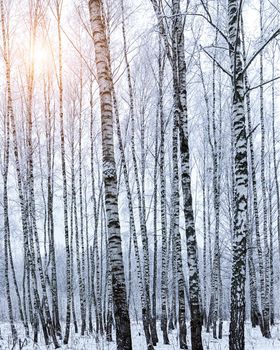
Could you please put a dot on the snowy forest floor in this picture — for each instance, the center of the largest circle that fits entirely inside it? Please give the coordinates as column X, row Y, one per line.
column 254, row 340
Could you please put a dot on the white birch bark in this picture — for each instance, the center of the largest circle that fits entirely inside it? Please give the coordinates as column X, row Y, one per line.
column 237, row 316
column 104, row 78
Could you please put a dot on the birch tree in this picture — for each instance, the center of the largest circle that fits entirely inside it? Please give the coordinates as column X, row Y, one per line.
column 104, row 77
column 237, row 316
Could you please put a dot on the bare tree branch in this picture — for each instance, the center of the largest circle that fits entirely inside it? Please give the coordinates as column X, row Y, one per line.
column 217, row 63
column 257, row 86
column 204, row 17
column 273, row 36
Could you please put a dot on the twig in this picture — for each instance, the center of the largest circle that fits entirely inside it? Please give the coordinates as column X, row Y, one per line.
column 203, row 16
column 218, row 64
column 273, row 36
column 250, row 134
column 257, row 86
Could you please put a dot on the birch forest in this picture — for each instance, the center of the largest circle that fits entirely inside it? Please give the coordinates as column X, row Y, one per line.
column 140, row 170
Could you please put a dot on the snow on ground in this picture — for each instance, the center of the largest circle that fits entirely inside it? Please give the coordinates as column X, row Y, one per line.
column 254, row 340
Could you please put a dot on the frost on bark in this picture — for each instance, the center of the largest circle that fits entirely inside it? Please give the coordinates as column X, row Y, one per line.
column 271, row 248
column 64, row 181
column 179, row 86
column 104, row 78
column 133, row 232
column 275, row 163
column 178, row 64
column 275, row 173
column 176, row 57
column 175, row 231
column 215, row 147
column 83, row 288
column 205, row 204
column 95, row 290
column 256, row 317
column 240, row 229
column 155, row 224
column 164, row 254
column 7, row 226
column 49, row 134
column 78, row 237
column 265, row 305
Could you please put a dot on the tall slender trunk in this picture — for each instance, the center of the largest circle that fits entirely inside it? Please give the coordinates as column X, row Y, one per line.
column 7, row 224
column 275, row 172
column 96, row 206
column 214, row 300
column 84, row 308
column 140, row 196
column 64, row 180
column 205, row 318
column 89, row 271
column 155, row 237
column 237, row 314
column 180, row 106
column 49, row 132
column 256, row 317
column 177, row 236
column 104, row 78
column 172, row 314
column 205, row 204
column 271, row 248
column 133, row 232
column 254, row 187
column 71, row 243
column 108, row 319
column 275, row 166
column 265, row 306
column 77, row 236
column 164, row 255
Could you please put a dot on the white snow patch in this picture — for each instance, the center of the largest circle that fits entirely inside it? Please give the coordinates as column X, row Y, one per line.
column 254, row 340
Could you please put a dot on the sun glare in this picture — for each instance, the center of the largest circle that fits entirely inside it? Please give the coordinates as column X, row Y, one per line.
column 41, row 57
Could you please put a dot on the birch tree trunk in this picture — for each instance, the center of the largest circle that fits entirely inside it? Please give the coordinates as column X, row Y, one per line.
column 164, row 254
column 133, row 232
column 271, row 248
column 212, row 137
column 140, row 194
column 179, row 86
column 7, row 224
column 155, row 262
column 237, row 313
column 77, row 235
column 49, row 132
column 88, row 265
column 71, row 243
column 96, row 206
column 104, row 78
column 83, row 288
column 255, row 203
column 276, row 186
column 175, row 229
column 265, row 306
column 275, row 167
column 255, row 314
column 64, row 179
column 205, row 204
